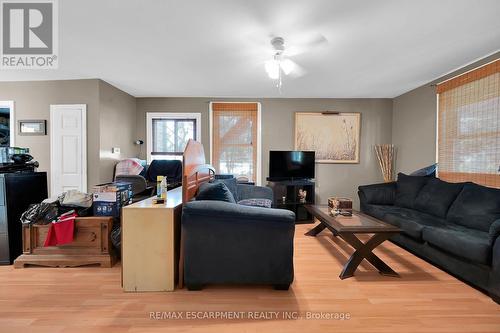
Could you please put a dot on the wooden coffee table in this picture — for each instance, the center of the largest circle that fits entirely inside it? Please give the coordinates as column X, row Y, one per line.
column 346, row 227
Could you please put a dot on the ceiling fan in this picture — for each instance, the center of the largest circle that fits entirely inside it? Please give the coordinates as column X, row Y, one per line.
column 280, row 64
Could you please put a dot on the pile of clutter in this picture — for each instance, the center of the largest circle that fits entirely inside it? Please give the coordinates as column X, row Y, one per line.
column 60, row 212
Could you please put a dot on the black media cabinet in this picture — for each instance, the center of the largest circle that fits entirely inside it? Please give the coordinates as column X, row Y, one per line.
column 289, row 189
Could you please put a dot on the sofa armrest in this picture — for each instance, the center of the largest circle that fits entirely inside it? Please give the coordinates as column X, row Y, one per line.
column 254, row 192
column 377, row 194
column 494, row 281
column 494, row 231
column 210, row 211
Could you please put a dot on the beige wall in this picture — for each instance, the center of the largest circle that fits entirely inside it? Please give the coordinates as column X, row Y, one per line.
column 118, row 128
column 32, row 100
column 116, row 119
column 111, row 116
column 414, row 122
column 278, row 133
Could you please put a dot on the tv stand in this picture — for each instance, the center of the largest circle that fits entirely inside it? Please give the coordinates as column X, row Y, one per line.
column 289, row 190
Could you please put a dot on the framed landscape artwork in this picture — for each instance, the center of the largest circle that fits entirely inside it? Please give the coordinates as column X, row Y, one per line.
column 334, row 136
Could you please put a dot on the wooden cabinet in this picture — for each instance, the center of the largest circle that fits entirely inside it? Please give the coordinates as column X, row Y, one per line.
column 151, row 243
column 91, row 245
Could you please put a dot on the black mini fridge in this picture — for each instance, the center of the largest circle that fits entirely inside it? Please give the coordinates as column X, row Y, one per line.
column 17, row 192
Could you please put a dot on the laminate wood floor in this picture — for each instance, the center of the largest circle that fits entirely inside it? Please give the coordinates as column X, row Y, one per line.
column 424, row 299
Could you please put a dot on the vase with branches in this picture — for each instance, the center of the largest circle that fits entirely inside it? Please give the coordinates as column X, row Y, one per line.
column 386, row 157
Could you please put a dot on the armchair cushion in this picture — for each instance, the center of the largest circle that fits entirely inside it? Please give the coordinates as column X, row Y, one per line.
column 231, row 185
column 254, row 192
column 407, row 189
column 215, row 191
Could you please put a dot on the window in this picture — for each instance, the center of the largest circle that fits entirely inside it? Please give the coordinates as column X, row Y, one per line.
column 168, row 134
column 235, row 147
column 469, row 127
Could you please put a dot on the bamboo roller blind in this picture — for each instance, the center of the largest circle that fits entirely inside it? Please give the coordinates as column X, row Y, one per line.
column 234, row 138
column 469, row 127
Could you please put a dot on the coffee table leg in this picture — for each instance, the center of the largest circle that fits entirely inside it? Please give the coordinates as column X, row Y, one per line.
column 316, row 230
column 364, row 251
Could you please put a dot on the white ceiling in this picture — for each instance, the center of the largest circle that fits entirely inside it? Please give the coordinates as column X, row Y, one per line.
column 216, row 48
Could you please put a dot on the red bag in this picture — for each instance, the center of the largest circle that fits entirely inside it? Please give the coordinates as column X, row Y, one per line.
column 62, row 231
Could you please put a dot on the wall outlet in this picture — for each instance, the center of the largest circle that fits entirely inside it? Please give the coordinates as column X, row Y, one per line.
column 115, row 150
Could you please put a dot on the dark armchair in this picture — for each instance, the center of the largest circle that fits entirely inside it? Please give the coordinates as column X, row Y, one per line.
column 227, row 243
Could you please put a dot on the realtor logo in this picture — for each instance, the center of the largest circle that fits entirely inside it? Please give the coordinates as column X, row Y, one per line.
column 29, row 34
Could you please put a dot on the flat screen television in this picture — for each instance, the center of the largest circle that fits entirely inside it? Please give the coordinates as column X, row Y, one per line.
column 284, row 165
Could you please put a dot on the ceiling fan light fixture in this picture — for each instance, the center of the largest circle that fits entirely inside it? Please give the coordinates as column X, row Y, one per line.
column 273, row 68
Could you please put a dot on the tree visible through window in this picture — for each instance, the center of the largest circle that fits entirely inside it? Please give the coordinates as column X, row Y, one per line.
column 170, row 137
column 234, row 139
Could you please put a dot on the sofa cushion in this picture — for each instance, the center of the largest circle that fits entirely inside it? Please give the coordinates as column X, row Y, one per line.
column 463, row 242
column 412, row 222
column 476, row 207
column 407, row 189
column 215, row 191
column 378, row 194
column 379, row 211
column 436, row 197
column 231, row 184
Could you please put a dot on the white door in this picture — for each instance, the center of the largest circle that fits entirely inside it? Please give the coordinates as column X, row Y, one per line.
column 68, row 148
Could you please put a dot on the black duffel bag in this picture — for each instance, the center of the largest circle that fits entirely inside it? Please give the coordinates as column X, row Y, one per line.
column 42, row 213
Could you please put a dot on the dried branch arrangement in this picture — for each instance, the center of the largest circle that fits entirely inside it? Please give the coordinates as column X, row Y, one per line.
column 386, row 156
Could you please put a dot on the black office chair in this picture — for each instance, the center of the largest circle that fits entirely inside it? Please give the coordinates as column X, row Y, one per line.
column 172, row 169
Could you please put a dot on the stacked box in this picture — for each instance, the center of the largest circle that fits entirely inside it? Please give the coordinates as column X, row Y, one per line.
column 340, row 204
column 109, row 198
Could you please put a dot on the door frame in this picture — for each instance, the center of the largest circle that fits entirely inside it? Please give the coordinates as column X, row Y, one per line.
column 53, row 108
column 12, row 121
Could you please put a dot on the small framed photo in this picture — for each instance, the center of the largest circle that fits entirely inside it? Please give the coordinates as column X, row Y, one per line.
column 32, row 127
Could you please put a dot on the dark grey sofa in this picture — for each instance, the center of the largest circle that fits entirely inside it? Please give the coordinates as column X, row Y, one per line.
column 228, row 243
column 455, row 226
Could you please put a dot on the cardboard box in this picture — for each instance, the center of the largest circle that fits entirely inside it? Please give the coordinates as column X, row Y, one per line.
column 109, row 198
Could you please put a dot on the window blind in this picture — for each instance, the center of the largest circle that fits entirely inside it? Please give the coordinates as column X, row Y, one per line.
column 234, row 139
column 469, row 127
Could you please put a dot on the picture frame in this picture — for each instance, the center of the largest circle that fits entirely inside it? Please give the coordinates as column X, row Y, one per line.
column 32, row 127
column 334, row 136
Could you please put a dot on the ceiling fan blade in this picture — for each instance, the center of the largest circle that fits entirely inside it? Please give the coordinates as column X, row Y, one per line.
column 292, row 69
column 316, row 40
column 304, row 43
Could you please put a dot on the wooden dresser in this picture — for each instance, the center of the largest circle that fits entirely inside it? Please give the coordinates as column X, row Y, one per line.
column 91, row 245
column 150, row 244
